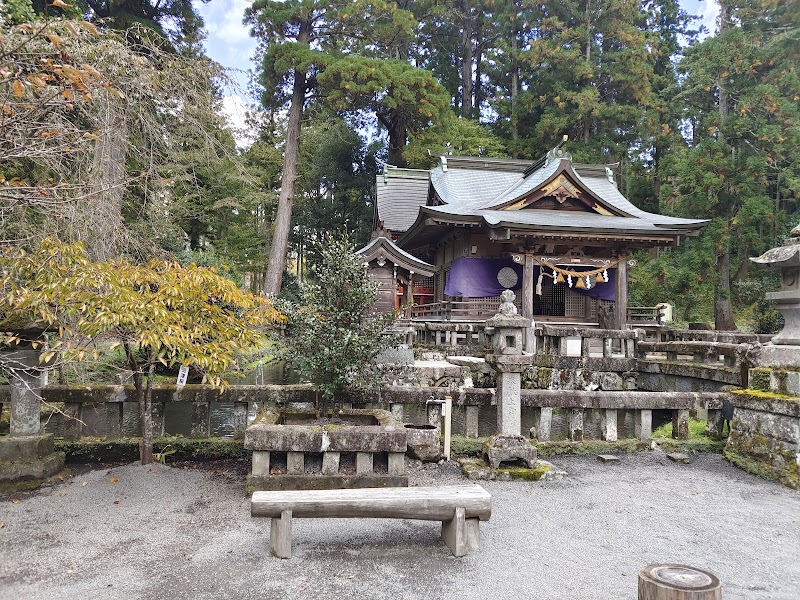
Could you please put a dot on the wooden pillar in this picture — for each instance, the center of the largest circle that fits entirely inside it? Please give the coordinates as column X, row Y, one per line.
column 408, row 296
column 527, row 300
column 621, row 301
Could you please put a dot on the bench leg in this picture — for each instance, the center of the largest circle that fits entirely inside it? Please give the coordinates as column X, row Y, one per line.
column 280, row 535
column 461, row 535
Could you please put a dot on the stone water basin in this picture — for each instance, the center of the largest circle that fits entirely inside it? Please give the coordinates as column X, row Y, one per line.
column 293, row 450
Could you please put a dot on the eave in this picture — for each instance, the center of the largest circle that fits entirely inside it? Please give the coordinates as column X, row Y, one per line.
column 383, row 249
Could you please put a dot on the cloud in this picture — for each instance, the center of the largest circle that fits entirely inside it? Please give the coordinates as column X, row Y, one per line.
column 709, row 13
column 228, row 41
column 234, row 109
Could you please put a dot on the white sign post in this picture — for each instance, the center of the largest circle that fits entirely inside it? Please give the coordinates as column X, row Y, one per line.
column 183, row 376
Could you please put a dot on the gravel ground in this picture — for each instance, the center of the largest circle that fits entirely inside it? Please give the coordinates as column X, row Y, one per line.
column 133, row 532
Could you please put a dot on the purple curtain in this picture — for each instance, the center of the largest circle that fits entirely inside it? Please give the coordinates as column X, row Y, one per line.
column 478, row 277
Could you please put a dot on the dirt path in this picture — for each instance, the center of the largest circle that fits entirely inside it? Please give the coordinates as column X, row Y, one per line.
column 161, row 533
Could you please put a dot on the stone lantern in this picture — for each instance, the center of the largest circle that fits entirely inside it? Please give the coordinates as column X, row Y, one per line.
column 782, row 355
column 507, row 358
column 786, row 258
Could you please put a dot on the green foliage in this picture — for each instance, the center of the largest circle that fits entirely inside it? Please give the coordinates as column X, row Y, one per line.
column 210, row 258
column 332, row 336
column 16, row 12
column 697, row 429
column 159, row 313
column 766, row 318
column 464, row 137
column 336, row 188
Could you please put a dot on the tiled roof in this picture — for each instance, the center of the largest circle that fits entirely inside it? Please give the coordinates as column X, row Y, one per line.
column 383, row 247
column 468, row 186
column 400, row 193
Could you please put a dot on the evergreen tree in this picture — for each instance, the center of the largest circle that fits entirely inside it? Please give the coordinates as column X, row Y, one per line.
column 303, row 39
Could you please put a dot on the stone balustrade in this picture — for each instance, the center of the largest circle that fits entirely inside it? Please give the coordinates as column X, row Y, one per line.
column 474, row 408
column 723, row 362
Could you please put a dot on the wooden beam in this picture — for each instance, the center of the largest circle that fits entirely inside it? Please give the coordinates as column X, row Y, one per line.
column 421, row 503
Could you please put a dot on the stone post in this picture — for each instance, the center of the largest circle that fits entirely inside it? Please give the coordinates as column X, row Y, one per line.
column 25, row 390
column 27, row 455
column 507, row 329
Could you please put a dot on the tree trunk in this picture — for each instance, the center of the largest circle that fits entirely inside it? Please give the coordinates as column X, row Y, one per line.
column 397, row 130
column 514, row 92
column 466, row 69
column 146, row 416
column 587, row 51
column 97, row 220
column 723, row 309
column 291, row 158
column 145, row 400
column 478, row 88
column 677, row 582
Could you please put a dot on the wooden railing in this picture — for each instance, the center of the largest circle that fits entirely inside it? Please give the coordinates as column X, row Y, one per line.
column 645, row 315
column 476, row 309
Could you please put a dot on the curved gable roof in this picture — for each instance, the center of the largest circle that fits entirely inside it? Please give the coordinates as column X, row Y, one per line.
column 382, row 248
column 477, row 189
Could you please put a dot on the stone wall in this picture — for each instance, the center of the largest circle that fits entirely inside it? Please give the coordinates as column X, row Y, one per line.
column 765, row 435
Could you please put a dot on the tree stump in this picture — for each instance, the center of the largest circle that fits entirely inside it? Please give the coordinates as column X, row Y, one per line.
column 677, row 582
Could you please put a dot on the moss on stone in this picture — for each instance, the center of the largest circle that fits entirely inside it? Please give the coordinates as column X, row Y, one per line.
column 465, row 446
column 705, row 444
column 557, row 448
column 99, row 450
column 765, row 395
column 761, row 455
column 789, row 477
column 473, row 466
column 524, row 473
column 759, row 379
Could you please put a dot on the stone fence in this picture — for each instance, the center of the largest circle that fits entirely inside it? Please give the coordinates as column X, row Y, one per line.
column 719, row 357
column 100, row 410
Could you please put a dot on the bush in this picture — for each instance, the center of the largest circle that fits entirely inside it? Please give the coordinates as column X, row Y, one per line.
column 766, row 318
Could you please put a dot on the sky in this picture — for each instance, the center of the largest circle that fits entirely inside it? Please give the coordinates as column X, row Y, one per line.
column 229, row 43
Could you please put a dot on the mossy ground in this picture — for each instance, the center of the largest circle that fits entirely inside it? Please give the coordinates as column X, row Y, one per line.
column 698, row 440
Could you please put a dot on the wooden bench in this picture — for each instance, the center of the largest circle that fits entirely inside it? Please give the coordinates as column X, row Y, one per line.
column 460, row 508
